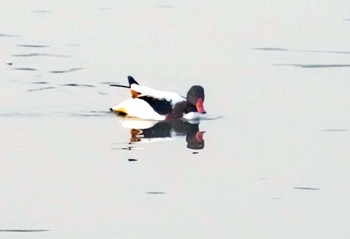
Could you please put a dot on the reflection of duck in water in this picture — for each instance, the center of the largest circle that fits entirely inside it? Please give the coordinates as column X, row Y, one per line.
column 150, row 104
column 165, row 130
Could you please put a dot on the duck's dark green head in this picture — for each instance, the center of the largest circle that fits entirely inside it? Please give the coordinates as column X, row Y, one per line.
column 195, row 97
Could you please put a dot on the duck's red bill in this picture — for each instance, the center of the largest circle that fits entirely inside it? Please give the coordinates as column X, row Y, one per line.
column 200, row 107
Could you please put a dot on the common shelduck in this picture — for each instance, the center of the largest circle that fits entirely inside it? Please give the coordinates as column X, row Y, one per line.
column 150, row 104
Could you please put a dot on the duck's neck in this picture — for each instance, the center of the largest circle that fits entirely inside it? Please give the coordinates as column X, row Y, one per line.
column 178, row 110
column 190, row 108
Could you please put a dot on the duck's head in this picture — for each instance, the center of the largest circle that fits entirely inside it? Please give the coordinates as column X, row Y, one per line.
column 195, row 97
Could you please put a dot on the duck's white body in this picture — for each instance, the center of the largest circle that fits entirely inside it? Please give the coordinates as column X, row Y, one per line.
column 150, row 104
column 138, row 108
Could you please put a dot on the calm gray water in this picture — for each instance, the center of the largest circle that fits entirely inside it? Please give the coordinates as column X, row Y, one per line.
column 275, row 164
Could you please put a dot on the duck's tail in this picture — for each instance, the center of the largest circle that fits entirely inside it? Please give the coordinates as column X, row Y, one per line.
column 131, row 80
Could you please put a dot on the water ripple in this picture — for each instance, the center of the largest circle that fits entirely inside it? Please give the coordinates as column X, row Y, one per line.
column 40, row 83
column 303, row 51
column 16, row 114
column 315, row 65
column 78, row 85
column 33, row 45
column 91, row 113
column 41, row 11
column 7, row 35
column 24, row 230
column 306, row 188
column 41, row 89
column 335, row 130
column 40, row 54
column 270, row 49
column 25, row 69
column 67, row 71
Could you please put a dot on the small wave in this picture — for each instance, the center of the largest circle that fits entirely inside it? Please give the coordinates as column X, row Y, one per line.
column 270, row 49
column 306, row 188
column 24, row 69
column 8, row 35
column 303, row 51
column 41, row 89
column 91, row 113
column 335, row 130
column 316, row 65
column 33, row 45
column 211, row 117
column 67, row 71
column 40, row 83
column 78, row 85
column 24, row 230
column 41, row 11
column 16, row 114
column 40, row 54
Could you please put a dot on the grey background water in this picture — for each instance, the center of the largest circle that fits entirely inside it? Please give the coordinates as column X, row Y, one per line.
column 276, row 165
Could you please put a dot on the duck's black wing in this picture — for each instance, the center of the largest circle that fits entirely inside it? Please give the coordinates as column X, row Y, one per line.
column 161, row 106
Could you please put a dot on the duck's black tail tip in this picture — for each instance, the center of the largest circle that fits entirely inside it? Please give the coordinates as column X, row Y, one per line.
column 132, row 81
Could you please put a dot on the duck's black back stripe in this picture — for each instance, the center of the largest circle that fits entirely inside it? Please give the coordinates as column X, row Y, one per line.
column 161, row 106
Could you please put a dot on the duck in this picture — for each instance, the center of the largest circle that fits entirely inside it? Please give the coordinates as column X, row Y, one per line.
column 150, row 104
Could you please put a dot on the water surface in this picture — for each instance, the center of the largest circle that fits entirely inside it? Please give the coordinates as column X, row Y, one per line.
column 275, row 165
